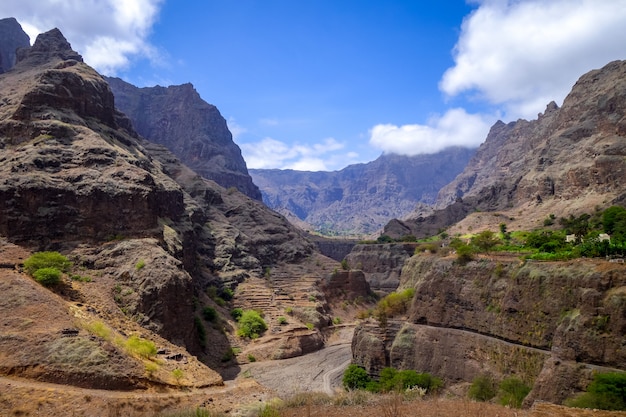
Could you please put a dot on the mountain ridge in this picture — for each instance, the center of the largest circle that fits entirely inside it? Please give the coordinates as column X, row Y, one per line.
column 361, row 198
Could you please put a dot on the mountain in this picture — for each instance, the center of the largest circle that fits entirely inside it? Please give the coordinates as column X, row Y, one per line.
column 12, row 37
column 567, row 161
column 152, row 245
column 361, row 198
column 194, row 130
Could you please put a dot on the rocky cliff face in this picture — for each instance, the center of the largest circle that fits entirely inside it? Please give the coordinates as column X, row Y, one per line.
column 12, row 37
column 526, row 164
column 150, row 232
column 195, row 131
column 381, row 263
column 550, row 324
column 361, row 198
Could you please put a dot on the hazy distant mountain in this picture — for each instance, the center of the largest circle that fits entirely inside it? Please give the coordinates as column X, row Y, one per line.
column 569, row 160
column 360, row 198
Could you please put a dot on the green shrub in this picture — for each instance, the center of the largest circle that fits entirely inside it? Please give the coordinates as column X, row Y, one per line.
column 512, row 392
column 141, row 347
column 607, row 391
column 209, row 313
column 355, row 377
column 251, row 358
column 201, row 331
column 391, row 379
column 344, row 265
column 395, row 303
column 47, row 276
column 236, row 313
column 282, row 320
column 251, row 324
column 483, row 388
column 41, row 260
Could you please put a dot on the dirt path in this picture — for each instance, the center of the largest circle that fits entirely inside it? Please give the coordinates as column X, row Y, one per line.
column 319, row 371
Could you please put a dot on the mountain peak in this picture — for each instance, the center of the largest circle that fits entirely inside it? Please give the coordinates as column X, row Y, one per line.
column 49, row 46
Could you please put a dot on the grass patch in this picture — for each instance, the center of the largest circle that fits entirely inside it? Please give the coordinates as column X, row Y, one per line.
column 140, row 347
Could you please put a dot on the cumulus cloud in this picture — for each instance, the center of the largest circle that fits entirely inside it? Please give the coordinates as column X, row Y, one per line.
column 272, row 153
column 523, row 54
column 107, row 33
column 455, row 128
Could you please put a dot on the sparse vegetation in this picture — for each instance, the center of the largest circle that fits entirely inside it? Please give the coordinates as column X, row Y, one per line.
column 178, row 375
column 282, row 320
column 235, row 313
column 512, row 392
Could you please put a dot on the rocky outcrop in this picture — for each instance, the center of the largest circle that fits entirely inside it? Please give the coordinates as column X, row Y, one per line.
column 191, row 128
column 539, row 321
column 530, row 163
column 12, row 37
column 361, row 198
column 381, row 263
column 348, row 285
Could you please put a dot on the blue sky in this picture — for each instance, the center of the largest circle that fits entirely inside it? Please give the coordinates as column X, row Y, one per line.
column 320, row 84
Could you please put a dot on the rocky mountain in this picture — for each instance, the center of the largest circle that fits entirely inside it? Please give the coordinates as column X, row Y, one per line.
column 194, row 130
column 528, row 166
column 153, row 244
column 12, row 37
column 361, row 198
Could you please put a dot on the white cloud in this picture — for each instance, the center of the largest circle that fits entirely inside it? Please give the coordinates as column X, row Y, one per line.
column 272, row 153
column 107, row 33
column 523, row 54
column 455, row 128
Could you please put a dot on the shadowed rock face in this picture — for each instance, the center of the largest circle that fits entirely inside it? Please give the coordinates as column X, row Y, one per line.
column 360, row 198
column 192, row 129
column 12, row 37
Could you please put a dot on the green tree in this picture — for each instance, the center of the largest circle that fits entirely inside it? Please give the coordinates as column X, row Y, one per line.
column 485, row 240
column 355, row 377
column 251, row 324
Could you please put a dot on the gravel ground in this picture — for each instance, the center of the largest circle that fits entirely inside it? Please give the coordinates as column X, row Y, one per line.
column 319, row 371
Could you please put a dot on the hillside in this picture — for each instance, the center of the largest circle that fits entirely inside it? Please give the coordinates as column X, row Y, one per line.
column 361, row 198
column 152, row 246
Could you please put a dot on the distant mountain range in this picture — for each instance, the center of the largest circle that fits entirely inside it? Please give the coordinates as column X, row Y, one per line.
column 360, row 199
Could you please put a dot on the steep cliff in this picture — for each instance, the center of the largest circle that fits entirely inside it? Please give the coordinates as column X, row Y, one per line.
column 528, row 166
column 191, row 128
column 549, row 323
column 361, row 198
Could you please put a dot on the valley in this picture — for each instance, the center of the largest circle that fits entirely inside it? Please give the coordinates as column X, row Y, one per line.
column 142, row 274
